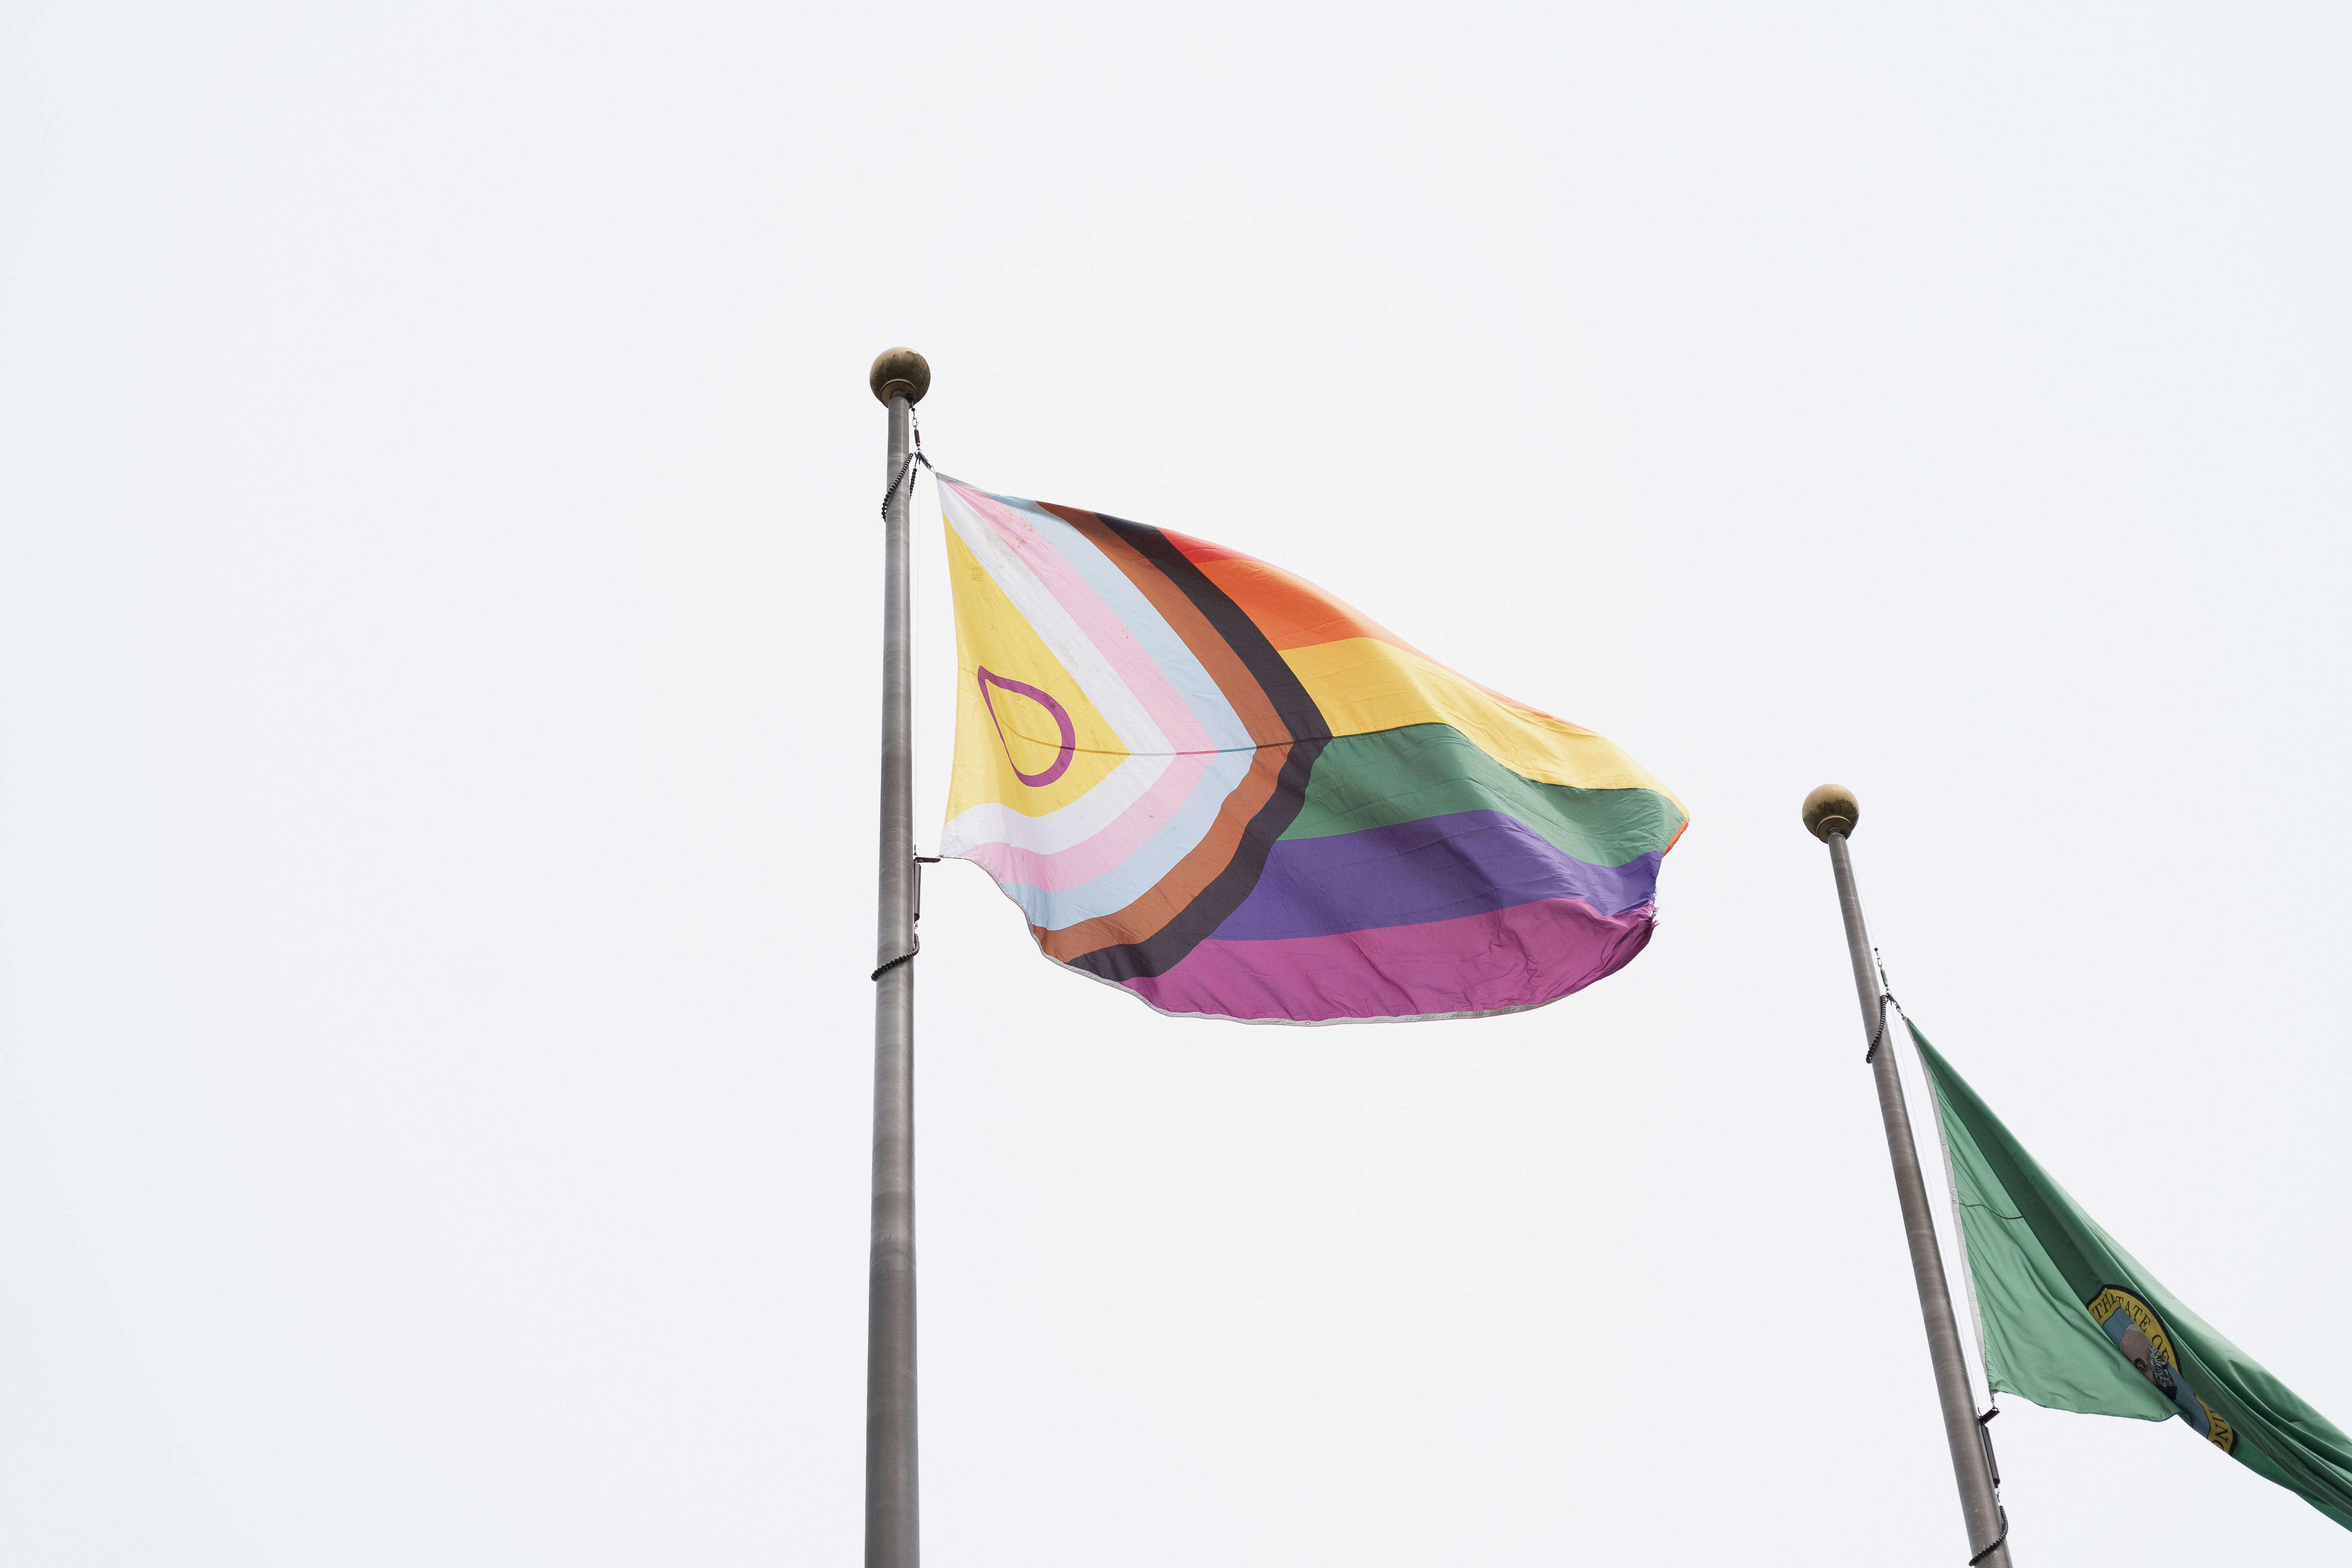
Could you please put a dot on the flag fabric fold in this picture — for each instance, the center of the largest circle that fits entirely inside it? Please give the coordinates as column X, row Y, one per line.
column 1210, row 784
column 2071, row 1321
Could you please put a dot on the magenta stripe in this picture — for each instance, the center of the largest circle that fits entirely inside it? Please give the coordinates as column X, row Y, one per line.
column 1519, row 957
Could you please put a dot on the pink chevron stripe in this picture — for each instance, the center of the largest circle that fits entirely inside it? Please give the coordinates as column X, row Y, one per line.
column 1103, row 851
column 1124, row 834
column 1101, row 624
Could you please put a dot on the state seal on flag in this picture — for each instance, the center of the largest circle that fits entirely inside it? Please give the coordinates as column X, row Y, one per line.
column 2138, row 1333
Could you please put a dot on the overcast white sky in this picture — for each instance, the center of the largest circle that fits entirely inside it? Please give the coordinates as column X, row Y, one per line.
column 438, row 612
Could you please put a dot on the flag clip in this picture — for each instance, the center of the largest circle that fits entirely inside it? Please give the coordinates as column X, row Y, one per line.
column 909, row 956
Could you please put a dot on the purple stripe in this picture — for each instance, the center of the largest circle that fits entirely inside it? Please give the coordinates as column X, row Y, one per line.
column 1498, row 961
column 1438, row 869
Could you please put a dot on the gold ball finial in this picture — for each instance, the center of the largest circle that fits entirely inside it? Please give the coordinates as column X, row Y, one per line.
column 1831, row 809
column 899, row 372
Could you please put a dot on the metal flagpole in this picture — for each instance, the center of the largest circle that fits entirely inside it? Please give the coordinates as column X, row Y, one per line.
column 893, row 1516
column 1831, row 812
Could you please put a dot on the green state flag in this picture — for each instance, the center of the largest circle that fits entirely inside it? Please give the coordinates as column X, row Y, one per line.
column 2071, row 1321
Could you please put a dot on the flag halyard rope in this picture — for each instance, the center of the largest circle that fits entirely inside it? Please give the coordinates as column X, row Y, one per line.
column 907, row 468
column 905, row 477
column 1887, row 1007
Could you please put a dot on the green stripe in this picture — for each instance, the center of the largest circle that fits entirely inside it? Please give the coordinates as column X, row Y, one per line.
column 1429, row 770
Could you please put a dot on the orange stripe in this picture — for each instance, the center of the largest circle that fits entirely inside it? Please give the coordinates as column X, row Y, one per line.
column 1291, row 611
column 1294, row 613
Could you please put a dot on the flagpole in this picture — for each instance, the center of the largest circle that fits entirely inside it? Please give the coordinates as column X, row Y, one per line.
column 893, row 1518
column 1831, row 812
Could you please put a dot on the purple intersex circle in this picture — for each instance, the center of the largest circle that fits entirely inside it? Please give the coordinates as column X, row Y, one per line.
column 1060, row 764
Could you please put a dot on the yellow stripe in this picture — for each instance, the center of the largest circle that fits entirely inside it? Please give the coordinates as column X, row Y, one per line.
column 990, row 631
column 1364, row 686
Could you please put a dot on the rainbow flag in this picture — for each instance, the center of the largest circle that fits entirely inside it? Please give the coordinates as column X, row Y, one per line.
column 1210, row 783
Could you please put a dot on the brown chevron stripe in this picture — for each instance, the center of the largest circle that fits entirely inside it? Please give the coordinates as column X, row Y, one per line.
column 1276, row 711
column 1185, row 881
